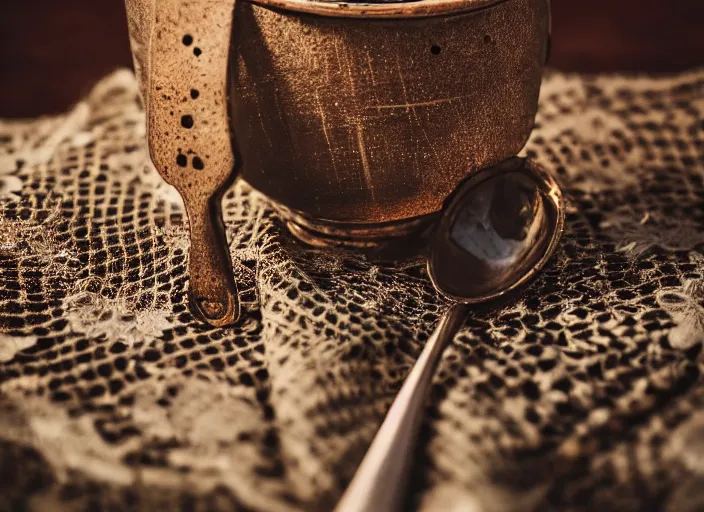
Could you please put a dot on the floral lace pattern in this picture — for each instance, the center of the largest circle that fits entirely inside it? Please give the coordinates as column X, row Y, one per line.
column 584, row 393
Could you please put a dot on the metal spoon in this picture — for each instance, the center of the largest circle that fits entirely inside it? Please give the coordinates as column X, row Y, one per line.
column 499, row 230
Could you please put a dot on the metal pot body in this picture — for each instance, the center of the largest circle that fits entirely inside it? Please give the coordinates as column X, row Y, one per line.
column 369, row 118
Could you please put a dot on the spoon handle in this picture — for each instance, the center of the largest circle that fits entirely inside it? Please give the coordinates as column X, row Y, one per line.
column 212, row 289
column 182, row 54
column 380, row 482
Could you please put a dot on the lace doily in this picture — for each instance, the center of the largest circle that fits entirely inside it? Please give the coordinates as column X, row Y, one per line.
column 585, row 393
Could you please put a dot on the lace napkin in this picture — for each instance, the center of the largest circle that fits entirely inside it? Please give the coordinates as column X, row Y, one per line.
column 584, row 393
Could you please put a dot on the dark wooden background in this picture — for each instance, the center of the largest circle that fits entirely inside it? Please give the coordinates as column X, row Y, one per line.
column 52, row 51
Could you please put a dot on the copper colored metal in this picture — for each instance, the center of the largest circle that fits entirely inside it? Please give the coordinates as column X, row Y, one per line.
column 359, row 113
column 355, row 118
column 393, row 10
column 181, row 51
column 326, row 234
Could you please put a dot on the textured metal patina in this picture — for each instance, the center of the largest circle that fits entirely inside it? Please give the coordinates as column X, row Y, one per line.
column 343, row 114
column 181, row 55
column 356, row 119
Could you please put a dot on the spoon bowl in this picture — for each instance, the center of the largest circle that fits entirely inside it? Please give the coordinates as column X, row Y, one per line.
column 497, row 232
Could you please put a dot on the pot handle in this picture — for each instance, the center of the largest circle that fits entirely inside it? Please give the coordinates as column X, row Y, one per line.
column 181, row 51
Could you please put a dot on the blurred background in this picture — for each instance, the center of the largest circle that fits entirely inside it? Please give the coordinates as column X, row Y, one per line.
column 53, row 51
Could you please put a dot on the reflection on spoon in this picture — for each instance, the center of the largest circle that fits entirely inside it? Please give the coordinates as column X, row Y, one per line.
column 499, row 230
column 481, row 227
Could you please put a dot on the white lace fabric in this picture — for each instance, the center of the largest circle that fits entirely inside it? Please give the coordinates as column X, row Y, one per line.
column 584, row 393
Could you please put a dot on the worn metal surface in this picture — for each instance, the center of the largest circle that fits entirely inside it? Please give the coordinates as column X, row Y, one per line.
column 342, row 113
column 181, row 53
column 365, row 120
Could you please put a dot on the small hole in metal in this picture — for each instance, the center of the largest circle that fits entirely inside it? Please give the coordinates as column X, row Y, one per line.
column 435, row 49
column 187, row 121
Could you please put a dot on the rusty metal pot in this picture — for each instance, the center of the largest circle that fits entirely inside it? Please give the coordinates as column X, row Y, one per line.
column 370, row 114
column 356, row 120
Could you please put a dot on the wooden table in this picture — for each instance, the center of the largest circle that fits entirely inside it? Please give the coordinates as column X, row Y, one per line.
column 51, row 52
